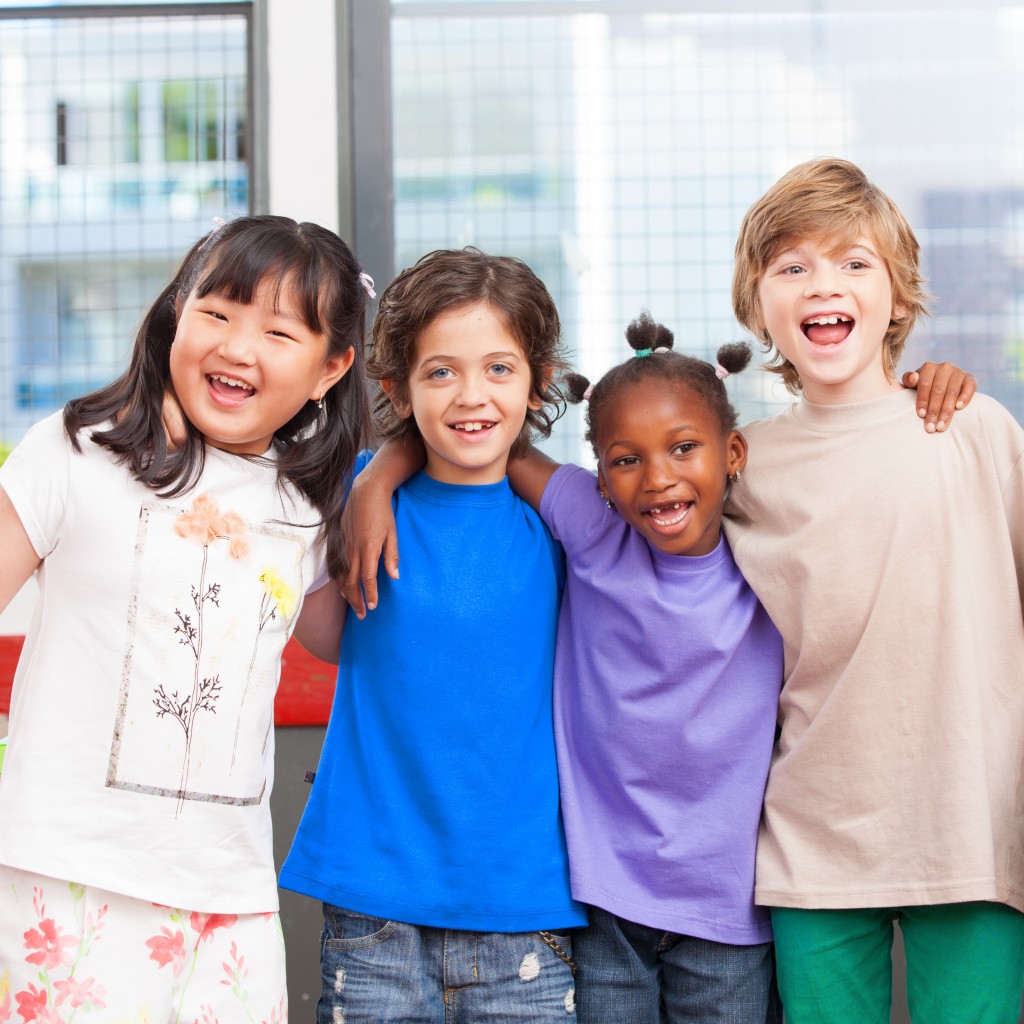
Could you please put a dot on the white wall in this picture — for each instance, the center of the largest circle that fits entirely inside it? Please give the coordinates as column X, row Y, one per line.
column 302, row 110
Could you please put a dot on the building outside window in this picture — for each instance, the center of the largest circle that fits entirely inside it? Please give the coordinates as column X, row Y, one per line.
column 124, row 133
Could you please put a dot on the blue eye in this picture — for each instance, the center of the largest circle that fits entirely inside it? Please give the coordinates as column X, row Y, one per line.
column 501, row 370
column 441, row 373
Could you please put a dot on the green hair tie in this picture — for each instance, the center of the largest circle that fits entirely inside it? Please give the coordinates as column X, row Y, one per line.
column 641, row 352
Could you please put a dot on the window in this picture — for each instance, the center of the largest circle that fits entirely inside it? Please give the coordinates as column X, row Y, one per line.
column 124, row 134
column 615, row 147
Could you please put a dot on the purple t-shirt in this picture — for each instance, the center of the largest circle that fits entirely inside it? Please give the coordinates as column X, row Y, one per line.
column 667, row 676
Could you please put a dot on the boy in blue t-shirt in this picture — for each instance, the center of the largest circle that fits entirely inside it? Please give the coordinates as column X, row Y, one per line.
column 432, row 833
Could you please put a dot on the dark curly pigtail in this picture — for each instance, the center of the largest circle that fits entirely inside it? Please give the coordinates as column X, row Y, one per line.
column 655, row 360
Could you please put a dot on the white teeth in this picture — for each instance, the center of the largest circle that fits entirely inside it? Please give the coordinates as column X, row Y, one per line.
column 823, row 320
column 231, row 381
column 471, row 426
column 655, row 512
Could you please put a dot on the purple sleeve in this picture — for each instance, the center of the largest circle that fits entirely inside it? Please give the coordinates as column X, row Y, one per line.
column 572, row 507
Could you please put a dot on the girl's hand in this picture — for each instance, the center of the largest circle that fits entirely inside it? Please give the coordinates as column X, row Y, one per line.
column 942, row 388
column 368, row 522
column 367, row 530
column 174, row 422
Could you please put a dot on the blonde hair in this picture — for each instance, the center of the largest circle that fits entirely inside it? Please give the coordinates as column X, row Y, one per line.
column 827, row 199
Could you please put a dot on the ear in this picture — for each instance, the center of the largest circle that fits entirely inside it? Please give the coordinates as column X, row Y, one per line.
column 332, row 371
column 394, row 392
column 735, row 452
column 899, row 311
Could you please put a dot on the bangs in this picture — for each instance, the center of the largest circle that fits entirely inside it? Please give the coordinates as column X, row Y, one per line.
column 240, row 266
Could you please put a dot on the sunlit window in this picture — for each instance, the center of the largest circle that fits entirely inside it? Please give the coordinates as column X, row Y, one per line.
column 123, row 136
column 617, row 148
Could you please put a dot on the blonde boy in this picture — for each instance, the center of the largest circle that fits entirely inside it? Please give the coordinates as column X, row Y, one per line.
column 893, row 565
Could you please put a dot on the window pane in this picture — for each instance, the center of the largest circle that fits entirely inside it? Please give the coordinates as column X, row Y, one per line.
column 122, row 138
column 617, row 153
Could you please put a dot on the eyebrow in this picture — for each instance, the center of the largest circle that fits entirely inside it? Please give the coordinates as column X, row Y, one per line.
column 488, row 357
column 797, row 250
column 681, row 429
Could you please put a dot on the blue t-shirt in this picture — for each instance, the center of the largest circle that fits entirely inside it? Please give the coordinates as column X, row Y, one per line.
column 666, row 691
column 436, row 799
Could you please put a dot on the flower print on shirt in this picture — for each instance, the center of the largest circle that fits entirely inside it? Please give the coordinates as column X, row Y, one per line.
column 278, row 598
column 214, row 598
column 205, row 524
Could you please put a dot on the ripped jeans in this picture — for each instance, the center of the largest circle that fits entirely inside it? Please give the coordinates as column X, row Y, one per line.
column 377, row 972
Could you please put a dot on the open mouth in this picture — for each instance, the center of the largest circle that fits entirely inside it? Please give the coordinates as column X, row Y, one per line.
column 668, row 515
column 230, row 388
column 827, row 330
column 473, row 426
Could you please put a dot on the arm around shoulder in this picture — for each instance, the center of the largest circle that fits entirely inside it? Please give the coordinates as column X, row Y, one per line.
column 529, row 475
column 321, row 623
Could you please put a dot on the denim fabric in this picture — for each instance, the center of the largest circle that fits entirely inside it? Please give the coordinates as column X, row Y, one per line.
column 632, row 974
column 378, row 972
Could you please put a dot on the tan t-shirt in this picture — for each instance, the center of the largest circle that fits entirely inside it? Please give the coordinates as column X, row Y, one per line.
column 892, row 562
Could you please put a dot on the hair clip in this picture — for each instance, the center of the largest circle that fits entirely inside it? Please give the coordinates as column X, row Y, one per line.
column 589, row 391
column 367, row 282
column 642, row 353
column 720, row 371
column 218, row 223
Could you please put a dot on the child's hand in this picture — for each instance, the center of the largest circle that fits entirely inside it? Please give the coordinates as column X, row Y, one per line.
column 174, row 422
column 367, row 528
column 942, row 388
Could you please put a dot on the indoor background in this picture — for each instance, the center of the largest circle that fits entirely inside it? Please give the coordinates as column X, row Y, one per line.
column 613, row 145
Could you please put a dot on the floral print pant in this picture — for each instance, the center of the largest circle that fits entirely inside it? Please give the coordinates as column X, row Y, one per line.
column 74, row 952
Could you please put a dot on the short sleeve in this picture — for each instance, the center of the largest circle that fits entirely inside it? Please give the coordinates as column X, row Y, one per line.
column 572, row 507
column 36, row 479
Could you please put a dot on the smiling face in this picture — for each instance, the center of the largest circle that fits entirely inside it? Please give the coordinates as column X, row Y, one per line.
column 664, row 462
column 242, row 371
column 827, row 311
column 469, row 390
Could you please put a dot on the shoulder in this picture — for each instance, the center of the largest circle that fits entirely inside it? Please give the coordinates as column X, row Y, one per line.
column 571, row 483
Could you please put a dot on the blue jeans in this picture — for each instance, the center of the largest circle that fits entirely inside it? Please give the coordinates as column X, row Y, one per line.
column 632, row 974
column 377, row 972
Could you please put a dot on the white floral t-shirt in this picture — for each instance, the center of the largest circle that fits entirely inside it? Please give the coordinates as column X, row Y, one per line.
column 141, row 741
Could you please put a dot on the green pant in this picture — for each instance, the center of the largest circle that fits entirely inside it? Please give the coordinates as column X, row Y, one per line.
column 965, row 964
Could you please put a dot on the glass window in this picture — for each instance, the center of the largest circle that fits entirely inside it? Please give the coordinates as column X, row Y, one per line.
column 617, row 148
column 123, row 136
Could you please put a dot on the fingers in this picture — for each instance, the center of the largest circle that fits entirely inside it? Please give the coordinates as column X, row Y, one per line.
column 352, row 590
column 942, row 389
column 391, row 555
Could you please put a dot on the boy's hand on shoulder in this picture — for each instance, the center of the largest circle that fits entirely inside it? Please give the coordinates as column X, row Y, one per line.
column 942, row 389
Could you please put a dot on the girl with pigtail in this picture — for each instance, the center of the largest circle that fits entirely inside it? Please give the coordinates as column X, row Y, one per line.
column 137, row 877
column 667, row 675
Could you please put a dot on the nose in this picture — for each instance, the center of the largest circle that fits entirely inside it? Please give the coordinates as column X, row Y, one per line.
column 238, row 345
column 823, row 281
column 471, row 390
column 658, row 475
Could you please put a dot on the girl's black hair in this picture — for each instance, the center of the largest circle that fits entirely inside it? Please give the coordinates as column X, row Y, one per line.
column 652, row 343
column 315, row 449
